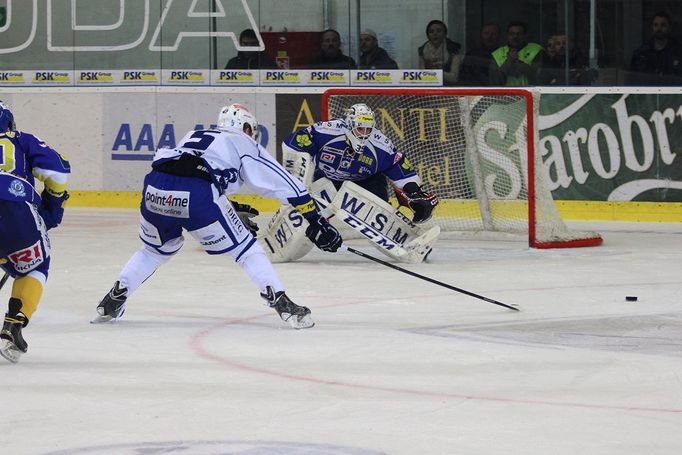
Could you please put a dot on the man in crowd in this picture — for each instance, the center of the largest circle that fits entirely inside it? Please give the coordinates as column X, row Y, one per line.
column 372, row 56
column 518, row 62
column 659, row 61
column 330, row 56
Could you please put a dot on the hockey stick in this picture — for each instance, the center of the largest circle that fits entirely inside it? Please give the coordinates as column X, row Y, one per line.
column 4, row 279
column 425, row 278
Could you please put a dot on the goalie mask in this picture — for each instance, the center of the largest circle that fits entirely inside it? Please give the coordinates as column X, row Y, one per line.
column 360, row 122
column 238, row 116
column 6, row 119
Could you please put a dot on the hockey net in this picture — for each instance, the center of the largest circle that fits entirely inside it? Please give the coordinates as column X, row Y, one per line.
column 476, row 149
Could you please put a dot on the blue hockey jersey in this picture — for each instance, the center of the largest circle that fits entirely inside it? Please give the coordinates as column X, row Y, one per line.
column 336, row 159
column 25, row 157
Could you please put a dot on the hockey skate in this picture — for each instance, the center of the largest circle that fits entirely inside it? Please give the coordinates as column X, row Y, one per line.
column 12, row 343
column 112, row 306
column 297, row 316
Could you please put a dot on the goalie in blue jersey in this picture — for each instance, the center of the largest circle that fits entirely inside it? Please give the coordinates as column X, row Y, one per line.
column 347, row 164
column 25, row 217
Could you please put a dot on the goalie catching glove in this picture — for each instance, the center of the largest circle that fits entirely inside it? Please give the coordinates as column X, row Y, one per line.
column 418, row 200
column 245, row 213
column 323, row 235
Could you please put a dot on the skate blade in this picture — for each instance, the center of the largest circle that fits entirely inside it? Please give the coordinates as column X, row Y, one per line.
column 99, row 319
column 304, row 322
column 9, row 351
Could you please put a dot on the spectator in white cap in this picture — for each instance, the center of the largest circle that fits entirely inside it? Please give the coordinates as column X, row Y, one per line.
column 372, row 56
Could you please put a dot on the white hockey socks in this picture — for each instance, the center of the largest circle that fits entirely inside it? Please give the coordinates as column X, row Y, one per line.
column 141, row 266
column 259, row 269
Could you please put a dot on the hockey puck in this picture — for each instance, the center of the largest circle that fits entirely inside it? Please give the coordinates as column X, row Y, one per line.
column 631, row 298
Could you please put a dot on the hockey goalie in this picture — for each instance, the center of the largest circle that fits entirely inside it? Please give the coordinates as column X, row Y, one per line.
column 347, row 164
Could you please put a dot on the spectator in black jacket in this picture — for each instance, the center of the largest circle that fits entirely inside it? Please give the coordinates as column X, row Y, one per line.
column 440, row 52
column 374, row 57
column 250, row 60
column 659, row 61
column 477, row 61
column 330, row 56
column 554, row 70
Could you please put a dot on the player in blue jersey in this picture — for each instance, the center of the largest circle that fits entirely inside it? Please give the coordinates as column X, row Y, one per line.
column 347, row 164
column 186, row 191
column 25, row 217
column 353, row 149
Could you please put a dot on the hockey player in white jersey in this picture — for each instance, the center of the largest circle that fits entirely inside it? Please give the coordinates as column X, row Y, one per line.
column 187, row 189
column 328, row 156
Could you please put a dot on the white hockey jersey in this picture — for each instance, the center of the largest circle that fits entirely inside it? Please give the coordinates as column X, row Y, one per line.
column 234, row 159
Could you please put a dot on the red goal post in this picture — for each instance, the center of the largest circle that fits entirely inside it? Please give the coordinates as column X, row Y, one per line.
column 476, row 149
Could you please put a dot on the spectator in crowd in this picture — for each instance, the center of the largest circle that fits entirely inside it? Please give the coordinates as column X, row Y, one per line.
column 331, row 56
column 372, row 56
column 250, row 60
column 440, row 53
column 554, row 70
column 477, row 61
column 518, row 62
column 659, row 61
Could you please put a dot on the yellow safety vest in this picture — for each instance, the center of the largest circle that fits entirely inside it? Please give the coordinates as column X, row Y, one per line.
column 527, row 54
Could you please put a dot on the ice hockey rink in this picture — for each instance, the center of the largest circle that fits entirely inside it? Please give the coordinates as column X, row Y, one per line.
column 394, row 365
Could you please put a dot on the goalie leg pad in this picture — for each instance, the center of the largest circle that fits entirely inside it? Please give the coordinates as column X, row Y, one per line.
column 285, row 239
column 382, row 224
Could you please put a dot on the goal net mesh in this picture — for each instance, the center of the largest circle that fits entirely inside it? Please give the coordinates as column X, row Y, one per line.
column 471, row 148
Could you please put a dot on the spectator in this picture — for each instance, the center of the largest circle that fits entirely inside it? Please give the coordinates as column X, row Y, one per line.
column 554, row 65
column 518, row 62
column 372, row 56
column 440, row 53
column 477, row 61
column 250, row 60
column 659, row 61
column 331, row 56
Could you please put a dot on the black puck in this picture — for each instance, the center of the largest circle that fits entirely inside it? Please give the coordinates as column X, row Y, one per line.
column 631, row 298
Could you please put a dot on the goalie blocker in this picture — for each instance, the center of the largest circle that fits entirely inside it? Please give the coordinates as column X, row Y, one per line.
column 352, row 207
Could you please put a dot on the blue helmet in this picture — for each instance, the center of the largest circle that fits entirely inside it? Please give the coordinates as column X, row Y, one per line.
column 6, row 119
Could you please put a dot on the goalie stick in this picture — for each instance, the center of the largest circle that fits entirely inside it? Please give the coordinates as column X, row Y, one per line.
column 426, row 278
column 4, row 279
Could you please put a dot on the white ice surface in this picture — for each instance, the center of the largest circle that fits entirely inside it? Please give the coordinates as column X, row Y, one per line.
column 395, row 365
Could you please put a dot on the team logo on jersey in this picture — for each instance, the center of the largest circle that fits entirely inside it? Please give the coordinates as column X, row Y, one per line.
column 303, row 140
column 397, row 157
column 328, row 157
column 27, row 259
column 17, row 188
column 406, row 165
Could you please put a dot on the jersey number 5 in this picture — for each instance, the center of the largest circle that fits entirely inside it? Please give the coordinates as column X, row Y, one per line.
column 206, row 137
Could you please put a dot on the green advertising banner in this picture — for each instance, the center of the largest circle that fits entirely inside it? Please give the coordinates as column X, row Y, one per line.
column 612, row 147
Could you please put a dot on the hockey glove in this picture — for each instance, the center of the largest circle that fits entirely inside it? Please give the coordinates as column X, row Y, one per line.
column 323, row 235
column 246, row 212
column 419, row 201
column 51, row 208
